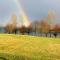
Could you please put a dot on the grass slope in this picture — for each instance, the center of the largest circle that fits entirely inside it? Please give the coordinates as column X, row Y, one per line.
column 18, row 47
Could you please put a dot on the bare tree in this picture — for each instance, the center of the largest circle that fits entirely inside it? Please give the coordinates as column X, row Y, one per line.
column 44, row 27
column 11, row 28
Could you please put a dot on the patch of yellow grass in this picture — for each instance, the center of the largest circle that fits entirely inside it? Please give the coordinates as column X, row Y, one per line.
column 28, row 45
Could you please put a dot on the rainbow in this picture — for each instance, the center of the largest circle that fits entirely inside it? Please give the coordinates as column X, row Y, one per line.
column 26, row 21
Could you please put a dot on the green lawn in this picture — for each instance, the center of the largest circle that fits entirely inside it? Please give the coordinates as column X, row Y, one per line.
column 20, row 47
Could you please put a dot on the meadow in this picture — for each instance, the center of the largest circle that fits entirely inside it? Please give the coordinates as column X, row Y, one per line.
column 24, row 47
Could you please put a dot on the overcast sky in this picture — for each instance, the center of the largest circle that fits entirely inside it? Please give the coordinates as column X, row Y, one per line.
column 35, row 9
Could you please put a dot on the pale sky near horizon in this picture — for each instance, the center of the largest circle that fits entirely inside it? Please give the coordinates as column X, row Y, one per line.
column 35, row 9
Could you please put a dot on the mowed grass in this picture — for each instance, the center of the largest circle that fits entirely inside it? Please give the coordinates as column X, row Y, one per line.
column 24, row 47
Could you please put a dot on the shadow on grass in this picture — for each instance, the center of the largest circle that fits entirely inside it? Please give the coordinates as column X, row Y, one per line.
column 4, row 56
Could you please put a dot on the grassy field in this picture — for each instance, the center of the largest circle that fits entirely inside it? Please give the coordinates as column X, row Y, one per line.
column 18, row 47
